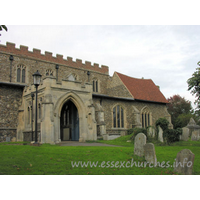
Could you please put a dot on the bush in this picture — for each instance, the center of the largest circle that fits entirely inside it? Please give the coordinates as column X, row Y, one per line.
column 163, row 123
column 135, row 131
column 172, row 135
column 169, row 135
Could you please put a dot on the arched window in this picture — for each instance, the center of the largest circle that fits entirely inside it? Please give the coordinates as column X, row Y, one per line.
column 145, row 117
column 118, row 117
column 21, row 73
column 95, row 85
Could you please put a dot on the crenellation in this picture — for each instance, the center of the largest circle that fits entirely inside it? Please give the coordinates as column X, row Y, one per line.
column 23, row 48
column 48, row 54
column 36, row 51
column 79, row 62
column 10, row 48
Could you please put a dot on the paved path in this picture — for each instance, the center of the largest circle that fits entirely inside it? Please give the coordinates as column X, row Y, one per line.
column 75, row 143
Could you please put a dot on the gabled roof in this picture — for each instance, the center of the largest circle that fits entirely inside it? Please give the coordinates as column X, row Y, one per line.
column 142, row 89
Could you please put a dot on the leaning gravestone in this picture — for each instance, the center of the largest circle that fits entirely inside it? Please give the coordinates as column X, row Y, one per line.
column 184, row 162
column 160, row 134
column 185, row 134
column 140, row 141
column 149, row 153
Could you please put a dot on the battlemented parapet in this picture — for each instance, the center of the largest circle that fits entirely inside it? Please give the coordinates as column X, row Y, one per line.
column 36, row 54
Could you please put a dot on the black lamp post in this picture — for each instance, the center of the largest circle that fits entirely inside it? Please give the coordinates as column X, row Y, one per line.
column 36, row 82
column 32, row 95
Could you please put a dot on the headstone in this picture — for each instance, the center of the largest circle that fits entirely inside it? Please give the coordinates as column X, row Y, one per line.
column 185, row 134
column 184, row 162
column 149, row 153
column 160, row 134
column 151, row 132
column 140, row 141
column 7, row 139
column 195, row 135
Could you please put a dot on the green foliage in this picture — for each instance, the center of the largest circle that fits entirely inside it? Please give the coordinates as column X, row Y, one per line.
column 194, row 87
column 169, row 135
column 163, row 123
column 3, row 27
column 172, row 135
column 178, row 106
column 135, row 131
column 182, row 120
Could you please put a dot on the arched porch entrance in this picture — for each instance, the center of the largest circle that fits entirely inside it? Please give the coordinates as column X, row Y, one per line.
column 69, row 122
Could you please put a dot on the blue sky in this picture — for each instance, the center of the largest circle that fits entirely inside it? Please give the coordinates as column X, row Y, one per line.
column 166, row 54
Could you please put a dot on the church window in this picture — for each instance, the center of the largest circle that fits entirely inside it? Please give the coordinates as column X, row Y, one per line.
column 95, row 85
column 21, row 73
column 146, row 117
column 118, row 117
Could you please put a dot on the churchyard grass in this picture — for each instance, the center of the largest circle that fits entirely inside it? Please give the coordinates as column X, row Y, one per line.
column 56, row 160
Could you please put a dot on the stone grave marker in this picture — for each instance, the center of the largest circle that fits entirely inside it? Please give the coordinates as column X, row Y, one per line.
column 149, row 153
column 185, row 134
column 195, row 135
column 160, row 134
column 7, row 139
column 140, row 141
column 151, row 132
column 184, row 162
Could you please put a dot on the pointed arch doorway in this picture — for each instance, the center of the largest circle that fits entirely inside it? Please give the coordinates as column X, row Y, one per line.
column 69, row 122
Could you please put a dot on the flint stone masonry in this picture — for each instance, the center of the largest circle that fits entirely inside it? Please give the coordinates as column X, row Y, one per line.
column 185, row 134
column 184, row 162
column 149, row 153
column 140, row 141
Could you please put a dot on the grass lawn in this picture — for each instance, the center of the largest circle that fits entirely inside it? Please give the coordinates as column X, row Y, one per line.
column 53, row 159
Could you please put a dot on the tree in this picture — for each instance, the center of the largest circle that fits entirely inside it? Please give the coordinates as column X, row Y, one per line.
column 180, row 110
column 3, row 27
column 194, row 87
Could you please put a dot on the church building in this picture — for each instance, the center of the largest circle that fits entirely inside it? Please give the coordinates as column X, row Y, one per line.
column 76, row 101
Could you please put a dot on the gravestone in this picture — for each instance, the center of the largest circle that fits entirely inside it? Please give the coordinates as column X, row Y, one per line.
column 160, row 134
column 184, row 162
column 7, row 139
column 185, row 134
column 195, row 135
column 149, row 153
column 151, row 132
column 140, row 141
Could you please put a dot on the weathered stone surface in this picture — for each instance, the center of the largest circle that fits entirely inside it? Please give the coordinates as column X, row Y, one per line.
column 185, row 134
column 160, row 134
column 140, row 141
column 195, row 135
column 151, row 132
column 149, row 153
column 184, row 162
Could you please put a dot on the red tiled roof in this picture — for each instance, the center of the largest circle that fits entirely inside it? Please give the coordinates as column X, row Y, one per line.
column 142, row 89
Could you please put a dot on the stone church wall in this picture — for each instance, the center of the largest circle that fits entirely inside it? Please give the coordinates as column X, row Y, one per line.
column 10, row 101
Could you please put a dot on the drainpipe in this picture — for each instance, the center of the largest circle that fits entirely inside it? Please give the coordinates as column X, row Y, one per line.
column 11, row 60
column 88, row 73
column 57, row 67
column 32, row 95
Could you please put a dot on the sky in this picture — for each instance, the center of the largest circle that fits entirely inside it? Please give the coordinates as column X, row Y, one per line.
column 166, row 54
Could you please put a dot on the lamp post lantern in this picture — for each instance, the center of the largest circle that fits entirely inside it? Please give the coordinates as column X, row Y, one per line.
column 36, row 82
